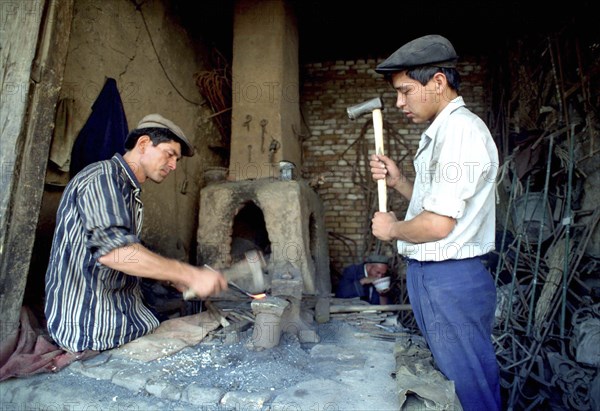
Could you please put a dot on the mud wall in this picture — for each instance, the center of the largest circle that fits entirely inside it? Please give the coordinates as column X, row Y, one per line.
column 153, row 60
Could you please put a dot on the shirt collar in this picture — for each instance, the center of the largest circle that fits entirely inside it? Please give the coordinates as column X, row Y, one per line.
column 118, row 158
column 435, row 125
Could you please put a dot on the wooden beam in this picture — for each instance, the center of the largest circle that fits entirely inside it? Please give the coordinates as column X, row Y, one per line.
column 30, row 167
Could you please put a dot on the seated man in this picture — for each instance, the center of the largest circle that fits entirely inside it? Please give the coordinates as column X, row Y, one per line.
column 93, row 295
column 357, row 280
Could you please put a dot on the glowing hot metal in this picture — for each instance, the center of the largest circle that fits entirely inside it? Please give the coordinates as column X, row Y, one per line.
column 241, row 290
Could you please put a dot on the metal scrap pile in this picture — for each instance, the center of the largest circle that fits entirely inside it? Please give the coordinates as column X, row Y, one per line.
column 547, row 330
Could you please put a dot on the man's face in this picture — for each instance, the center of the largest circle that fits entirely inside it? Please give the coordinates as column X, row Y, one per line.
column 377, row 270
column 158, row 161
column 420, row 103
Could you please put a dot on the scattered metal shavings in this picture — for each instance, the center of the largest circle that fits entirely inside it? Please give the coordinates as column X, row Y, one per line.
column 239, row 367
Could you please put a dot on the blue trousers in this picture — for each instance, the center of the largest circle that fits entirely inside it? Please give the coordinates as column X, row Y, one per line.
column 453, row 302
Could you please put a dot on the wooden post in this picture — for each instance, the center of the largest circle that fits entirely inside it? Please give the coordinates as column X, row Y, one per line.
column 34, row 136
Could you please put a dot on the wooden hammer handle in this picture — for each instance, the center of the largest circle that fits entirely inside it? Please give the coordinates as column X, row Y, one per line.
column 378, row 131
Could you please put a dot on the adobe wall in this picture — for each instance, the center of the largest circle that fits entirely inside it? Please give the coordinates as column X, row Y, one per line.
column 154, row 70
column 109, row 40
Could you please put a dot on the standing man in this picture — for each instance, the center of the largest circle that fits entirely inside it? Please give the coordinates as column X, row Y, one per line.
column 93, row 295
column 450, row 221
column 357, row 280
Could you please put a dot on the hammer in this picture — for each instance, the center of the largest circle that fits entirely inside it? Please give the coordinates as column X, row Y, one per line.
column 374, row 106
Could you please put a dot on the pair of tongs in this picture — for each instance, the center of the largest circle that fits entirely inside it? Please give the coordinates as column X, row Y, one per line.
column 241, row 290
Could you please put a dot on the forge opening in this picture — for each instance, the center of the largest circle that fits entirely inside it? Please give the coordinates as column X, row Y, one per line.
column 249, row 232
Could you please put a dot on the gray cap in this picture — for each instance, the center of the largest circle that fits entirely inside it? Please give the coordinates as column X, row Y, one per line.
column 376, row 259
column 158, row 121
column 431, row 50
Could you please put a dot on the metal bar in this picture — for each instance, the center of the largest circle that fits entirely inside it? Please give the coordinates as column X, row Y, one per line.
column 502, row 244
column 540, row 235
column 514, row 271
column 567, row 221
column 362, row 308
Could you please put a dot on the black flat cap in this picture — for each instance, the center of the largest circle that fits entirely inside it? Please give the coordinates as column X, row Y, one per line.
column 431, row 50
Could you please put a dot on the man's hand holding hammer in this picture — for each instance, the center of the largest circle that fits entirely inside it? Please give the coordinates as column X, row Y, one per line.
column 383, row 168
column 426, row 226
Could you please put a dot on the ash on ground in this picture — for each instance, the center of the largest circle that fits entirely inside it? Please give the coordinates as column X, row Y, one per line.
column 239, row 367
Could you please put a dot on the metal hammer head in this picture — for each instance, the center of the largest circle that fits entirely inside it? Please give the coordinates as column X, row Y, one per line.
column 365, row 107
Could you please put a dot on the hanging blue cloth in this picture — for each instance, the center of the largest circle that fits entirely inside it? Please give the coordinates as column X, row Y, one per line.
column 104, row 132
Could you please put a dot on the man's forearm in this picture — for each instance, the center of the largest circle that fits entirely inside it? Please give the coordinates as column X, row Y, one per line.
column 424, row 228
column 405, row 187
column 137, row 260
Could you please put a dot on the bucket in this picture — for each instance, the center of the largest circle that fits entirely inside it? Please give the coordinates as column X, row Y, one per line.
column 528, row 214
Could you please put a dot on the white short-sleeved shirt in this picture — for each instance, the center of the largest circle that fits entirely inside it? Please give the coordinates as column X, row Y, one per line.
column 456, row 166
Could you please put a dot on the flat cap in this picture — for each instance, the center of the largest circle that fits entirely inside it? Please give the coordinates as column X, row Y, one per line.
column 376, row 259
column 158, row 121
column 431, row 50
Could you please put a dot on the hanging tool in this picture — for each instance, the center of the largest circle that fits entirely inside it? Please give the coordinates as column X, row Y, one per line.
column 273, row 147
column 263, row 124
column 247, row 122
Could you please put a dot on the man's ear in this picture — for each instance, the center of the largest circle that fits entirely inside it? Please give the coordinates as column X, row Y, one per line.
column 143, row 142
column 441, row 82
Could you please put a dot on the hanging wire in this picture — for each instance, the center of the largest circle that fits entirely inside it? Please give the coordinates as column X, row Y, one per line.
column 215, row 87
column 139, row 8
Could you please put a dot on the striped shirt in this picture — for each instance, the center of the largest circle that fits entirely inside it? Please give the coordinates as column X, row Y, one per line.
column 89, row 305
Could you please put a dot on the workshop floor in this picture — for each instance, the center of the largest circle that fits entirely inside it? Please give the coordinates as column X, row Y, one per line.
column 346, row 370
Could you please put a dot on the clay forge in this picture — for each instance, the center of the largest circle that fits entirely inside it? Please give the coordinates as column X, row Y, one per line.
column 262, row 211
column 280, row 224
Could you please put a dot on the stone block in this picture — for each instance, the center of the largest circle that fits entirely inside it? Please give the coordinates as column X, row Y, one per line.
column 102, row 371
column 245, row 400
column 163, row 389
column 202, row 396
column 132, row 379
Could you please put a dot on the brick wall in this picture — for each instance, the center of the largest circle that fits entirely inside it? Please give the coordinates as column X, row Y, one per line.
column 335, row 149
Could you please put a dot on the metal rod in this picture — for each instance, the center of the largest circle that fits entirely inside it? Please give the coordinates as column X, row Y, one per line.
column 240, row 289
column 502, row 244
column 567, row 222
column 540, row 235
column 361, row 308
column 514, row 270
